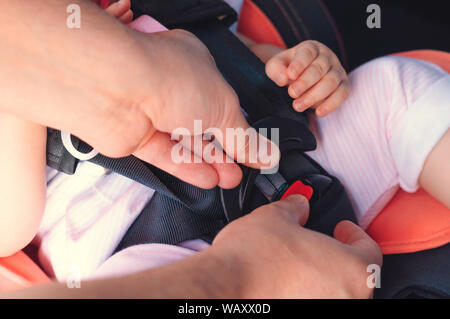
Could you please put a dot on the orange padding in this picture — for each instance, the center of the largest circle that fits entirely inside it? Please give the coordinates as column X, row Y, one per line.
column 19, row 271
column 410, row 223
column 254, row 24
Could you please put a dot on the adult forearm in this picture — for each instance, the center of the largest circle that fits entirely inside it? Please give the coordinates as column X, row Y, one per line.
column 265, row 254
column 201, row 276
column 60, row 76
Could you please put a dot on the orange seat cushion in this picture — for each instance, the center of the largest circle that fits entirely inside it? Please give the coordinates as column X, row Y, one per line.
column 254, row 24
column 410, row 223
column 19, row 271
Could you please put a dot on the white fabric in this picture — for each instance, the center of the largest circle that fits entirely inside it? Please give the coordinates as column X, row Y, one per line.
column 419, row 130
column 85, row 217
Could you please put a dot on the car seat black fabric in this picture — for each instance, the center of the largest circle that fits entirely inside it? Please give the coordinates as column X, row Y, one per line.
column 296, row 20
column 423, row 274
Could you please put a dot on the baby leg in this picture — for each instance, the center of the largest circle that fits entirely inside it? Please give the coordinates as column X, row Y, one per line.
column 435, row 175
column 22, row 183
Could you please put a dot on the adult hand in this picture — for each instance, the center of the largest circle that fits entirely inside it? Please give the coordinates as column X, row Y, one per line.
column 266, row 254
column 188, row 87
column 121, row 91
column 275, row 257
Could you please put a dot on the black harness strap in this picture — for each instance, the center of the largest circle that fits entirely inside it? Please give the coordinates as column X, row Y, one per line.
column 57, row 155
column 175, row 13
column 177, row 211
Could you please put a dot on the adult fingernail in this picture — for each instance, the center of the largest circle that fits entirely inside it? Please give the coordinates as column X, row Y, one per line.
column 299, row 106
column 281, row 79
column 321, row 111
column 292, row 92
column 297, row 199
column 295, row 91
column 293, row 73
column 301, row 206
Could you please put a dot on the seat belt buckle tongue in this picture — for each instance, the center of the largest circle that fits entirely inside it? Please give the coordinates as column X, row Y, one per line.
column 300, row 189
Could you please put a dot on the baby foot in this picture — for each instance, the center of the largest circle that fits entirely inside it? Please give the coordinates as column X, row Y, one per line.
column 121, row 10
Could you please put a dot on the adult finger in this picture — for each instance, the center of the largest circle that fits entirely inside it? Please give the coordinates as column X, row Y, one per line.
column 170, row 156
column 352, row 235
column 243, row 143
column 294, row 208
column 229, row 173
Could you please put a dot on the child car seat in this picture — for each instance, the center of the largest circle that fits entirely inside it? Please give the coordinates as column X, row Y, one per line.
column 179, row 211
column 421, row 234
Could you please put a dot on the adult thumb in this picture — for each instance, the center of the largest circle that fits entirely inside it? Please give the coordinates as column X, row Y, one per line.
column 294, row 208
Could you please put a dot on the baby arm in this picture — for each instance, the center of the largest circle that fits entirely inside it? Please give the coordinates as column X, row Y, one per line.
column 312, row 72
column 22, row 183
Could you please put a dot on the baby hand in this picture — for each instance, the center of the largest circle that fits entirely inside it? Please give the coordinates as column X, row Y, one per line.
column 314, row 75
column 121, row 10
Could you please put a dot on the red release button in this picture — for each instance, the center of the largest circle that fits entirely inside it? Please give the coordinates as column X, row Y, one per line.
column 298, row 188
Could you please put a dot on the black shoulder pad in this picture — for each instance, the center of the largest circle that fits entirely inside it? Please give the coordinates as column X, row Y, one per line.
column 179, row 13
